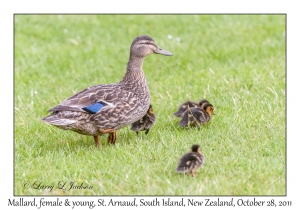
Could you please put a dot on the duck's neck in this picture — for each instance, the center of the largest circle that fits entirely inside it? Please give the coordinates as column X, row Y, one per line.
column 135, row 80
column 134, row 76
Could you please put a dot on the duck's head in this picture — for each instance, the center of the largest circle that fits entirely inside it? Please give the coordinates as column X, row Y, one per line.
column 150, row 110
column 196, row 148
column 209, row 108
column 201, row 102
column 144, row 45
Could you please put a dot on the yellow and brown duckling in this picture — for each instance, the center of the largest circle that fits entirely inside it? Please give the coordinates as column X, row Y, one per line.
column 191, row 161
column 197, row 116
column 145, row 123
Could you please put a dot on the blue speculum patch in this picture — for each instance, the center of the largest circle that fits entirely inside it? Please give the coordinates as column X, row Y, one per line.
column 94, row 108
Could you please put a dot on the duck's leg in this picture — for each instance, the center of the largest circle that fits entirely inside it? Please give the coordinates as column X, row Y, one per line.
column 193, row 175
column 110, row 138
column 112, row 135
column 147, row 131
column 97, row 141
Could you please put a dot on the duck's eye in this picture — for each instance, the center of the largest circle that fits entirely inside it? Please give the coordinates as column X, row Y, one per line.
column 148, row 42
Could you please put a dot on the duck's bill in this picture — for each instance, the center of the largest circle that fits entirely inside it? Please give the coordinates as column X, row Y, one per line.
column 162, row 51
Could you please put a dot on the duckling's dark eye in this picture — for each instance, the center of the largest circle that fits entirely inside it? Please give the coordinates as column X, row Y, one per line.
column 148, row 42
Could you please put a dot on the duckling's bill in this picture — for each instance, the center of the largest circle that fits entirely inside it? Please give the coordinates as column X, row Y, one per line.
column 159, row 50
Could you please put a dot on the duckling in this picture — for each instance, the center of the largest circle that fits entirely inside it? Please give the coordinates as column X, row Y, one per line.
column 144, row 123
column 196, row 116
column 191, row 161
column 183, row 107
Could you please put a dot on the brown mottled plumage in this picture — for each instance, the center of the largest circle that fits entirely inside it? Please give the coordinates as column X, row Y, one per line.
column 191, row 161
column 198, row 115
column 103, row 109
column 145, row 123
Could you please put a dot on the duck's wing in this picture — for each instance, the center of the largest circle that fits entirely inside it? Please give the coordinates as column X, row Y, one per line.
column 186, row 163
column 185, row 119
column 137, row 126
column 107, row 106
column 200, row 115
column 92, row 99
column 148, row 124
column 151, row 117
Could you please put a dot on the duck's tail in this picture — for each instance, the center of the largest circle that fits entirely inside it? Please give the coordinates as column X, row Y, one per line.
column 55, row 120
column 182, row 169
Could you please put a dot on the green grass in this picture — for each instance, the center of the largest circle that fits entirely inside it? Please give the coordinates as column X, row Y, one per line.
column 237, row 62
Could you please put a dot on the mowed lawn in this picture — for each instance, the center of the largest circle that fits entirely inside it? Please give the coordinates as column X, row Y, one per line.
column 236, row 62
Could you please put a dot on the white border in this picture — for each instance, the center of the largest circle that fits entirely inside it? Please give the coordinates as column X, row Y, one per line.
column 154, row 6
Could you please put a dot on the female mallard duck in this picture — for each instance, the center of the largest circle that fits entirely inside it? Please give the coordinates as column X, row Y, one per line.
column 196, row 116
column 191, row 161
column 105, row 108
column 145, row 123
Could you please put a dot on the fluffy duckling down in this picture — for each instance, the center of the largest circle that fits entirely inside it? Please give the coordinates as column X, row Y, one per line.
column 198, row 115
column 190, row 162
column 145, row 123
column 188, row 104
column 183, row 107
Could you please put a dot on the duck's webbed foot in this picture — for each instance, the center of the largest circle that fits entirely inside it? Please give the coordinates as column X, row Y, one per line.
column 112, row 137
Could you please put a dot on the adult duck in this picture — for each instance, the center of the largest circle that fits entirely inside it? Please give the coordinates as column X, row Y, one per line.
column 106, row 108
